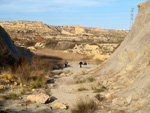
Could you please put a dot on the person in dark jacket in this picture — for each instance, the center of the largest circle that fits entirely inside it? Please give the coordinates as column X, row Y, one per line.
column 80, row 63
column 66, row 64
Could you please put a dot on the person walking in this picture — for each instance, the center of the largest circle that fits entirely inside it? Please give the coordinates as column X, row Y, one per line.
column 80, row 63
column 66, row 64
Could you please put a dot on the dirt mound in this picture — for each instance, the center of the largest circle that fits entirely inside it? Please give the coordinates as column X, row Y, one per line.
column 9, row 53
column 127, row 70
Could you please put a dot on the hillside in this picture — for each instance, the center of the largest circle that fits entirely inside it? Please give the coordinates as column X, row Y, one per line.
column 9, row 53
column 126, row 72
column 32, row 29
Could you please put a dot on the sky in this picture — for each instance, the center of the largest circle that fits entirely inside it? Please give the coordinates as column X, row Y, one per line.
column 105, row 14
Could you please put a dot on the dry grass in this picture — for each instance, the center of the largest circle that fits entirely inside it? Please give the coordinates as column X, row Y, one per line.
column 63, row 55
column 24, row 91
column 10, row 96
column 85, row 107
column 33, row 75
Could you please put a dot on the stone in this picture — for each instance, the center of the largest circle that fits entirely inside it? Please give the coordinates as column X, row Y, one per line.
column 138, row 104
column 2, row 87
column 129, row 99
column 33, row 90
column 32, row 48
column 38, row 98
column 15, row 83
column 62, row 74
column 109, row 95
column 59, row 105
column 115, row 87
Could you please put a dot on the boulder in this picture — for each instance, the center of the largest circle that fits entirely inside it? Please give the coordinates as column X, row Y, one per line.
column 38, row 98
column 59, row 105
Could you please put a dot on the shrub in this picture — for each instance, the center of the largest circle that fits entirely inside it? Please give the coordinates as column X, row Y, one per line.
column 81, row 89
column 90, row 79
column 24, row 91
column 85, row 107
column 99, row 97
column 10, row 96
column 80, row 81
column 98, row 61
column 38, row 82
column 30, row 43
column 98, row 90
column 51, row 43
column 32, row 74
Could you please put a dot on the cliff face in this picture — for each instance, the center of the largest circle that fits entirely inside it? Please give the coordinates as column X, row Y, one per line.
column 9, row 53
column 127, row 70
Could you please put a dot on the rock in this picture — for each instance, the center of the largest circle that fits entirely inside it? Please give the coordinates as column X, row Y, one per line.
column 32, row 48
column 62, row 74
column 128, row 99
column 59, row 105
column 109, row 95
column 15, row 83
column 138, row 104
column 33, row 90
column 2, row 87
column 38, row 98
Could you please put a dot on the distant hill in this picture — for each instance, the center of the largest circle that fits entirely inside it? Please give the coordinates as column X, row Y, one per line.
column 36, row 28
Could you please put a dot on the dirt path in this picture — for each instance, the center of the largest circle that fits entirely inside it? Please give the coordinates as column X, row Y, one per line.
column 66, row 87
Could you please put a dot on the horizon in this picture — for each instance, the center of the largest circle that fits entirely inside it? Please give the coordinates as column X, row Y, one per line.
column 104, row 14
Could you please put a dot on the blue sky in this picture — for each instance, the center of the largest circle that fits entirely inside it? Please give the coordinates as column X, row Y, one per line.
column 105, row 14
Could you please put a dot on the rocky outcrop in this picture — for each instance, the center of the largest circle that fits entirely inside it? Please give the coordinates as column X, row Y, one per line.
column 38, row 98
column 9, row 53
column 99, row 51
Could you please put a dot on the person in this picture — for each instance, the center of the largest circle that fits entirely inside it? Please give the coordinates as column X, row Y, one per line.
column 66, row 64
column 85, row 63
column 80, row 63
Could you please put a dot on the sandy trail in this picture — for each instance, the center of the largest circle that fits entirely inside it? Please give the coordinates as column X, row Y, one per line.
column 66, row 88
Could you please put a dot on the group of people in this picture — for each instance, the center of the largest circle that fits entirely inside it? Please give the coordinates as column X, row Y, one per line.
column 80, row 64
